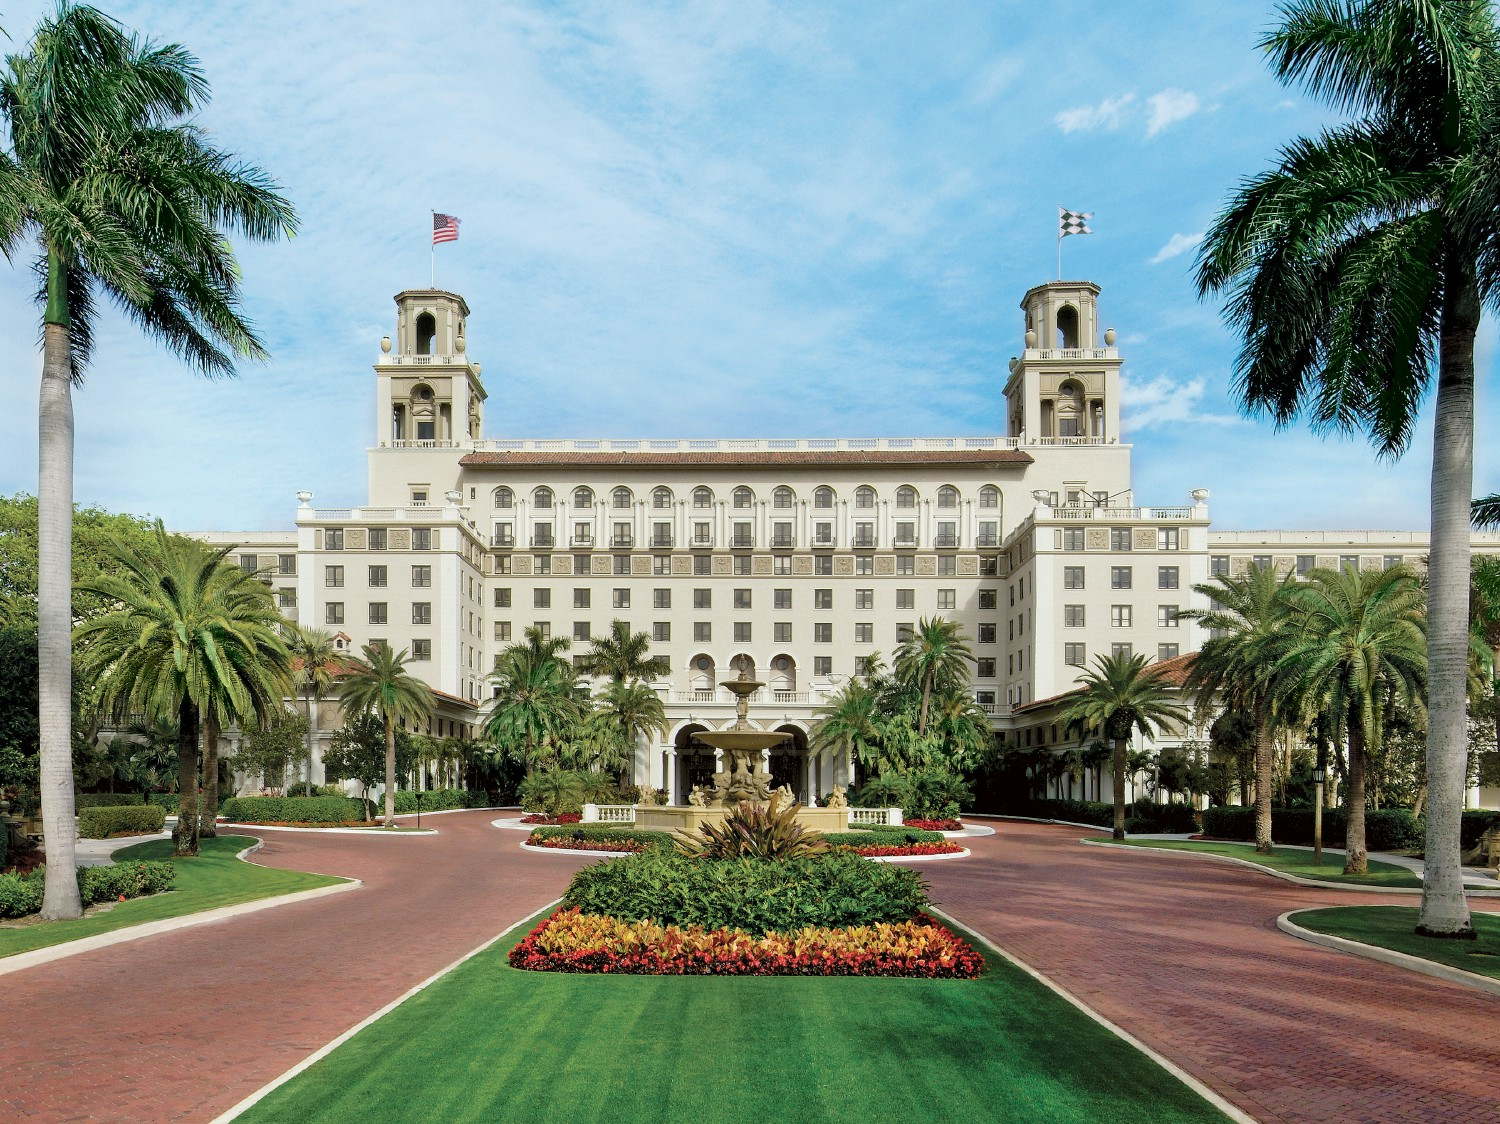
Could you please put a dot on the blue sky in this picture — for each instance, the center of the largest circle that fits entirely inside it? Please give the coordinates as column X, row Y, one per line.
column 713, row 219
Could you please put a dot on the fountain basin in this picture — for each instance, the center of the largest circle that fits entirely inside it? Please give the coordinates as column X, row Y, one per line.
column 673, row 817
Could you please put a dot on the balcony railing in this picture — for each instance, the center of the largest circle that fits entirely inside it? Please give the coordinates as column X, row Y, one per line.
column 987, row 540
column 544, row 541
column 778, row 444
column 586, row 539
column 503, row 542
column 625, row 540
column 661, row 542
column 742, row 542
column 866, row 541
column 761, row 697
column 946, row 540
column 783, row 542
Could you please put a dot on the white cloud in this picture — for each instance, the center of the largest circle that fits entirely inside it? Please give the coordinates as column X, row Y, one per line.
column 1162, row 399
column 1169, row 106
column 1177, row 244
column 1106, row 115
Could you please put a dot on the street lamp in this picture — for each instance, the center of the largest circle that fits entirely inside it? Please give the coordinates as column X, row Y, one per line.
column 419, row 794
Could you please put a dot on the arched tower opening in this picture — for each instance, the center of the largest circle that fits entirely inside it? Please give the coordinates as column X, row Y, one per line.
column 426, row 333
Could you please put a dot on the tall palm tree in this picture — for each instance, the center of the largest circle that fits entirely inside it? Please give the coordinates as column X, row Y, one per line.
column 125, row 197
column 317, row 663
column 189, row 634
column 849, row 723
column 934, row 657
column 1356, row 268
column 379, row 684
column 636, row 710
column 621, row 656
column 1247, row 616
column 534, row 705
column 1122, row 694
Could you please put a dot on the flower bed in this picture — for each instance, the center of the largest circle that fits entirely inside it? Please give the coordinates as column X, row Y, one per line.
column 585, row 843
column 552, row 821
column 906, row 850
column 935, row 825
column 573, row 941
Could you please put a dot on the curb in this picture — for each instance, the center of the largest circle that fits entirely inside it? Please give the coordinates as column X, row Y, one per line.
column 23, row 960
column 321, row 1053
column 1218, row 1100
column 1029, row 819
column 918, row 858
column 1315, row 883
column 1386, row 955
column 374, row 831
column 526, row 846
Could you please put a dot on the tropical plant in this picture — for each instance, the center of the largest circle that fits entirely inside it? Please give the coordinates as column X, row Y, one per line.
column 127, row 199
column 357, row 752
column 632, row 710
column 270, row 748
column 191, row 632
column 317, row 663
column 753, row 831
column 935, row 657
column 849, row 723
column 155, row 750
column 534, row 705
column 621, row 656
column 1119, row 695
column 1357, row 268
column 380, row 685
column 1359, row 646
column 1245, row 620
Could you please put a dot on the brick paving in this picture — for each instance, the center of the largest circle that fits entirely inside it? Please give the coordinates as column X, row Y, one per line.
column 1182, row 953
column 1185, row 955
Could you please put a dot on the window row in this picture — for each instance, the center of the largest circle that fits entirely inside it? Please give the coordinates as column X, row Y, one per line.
column 743, row 565
column 1123, row 577
column 257, row 563
column 662, row 498
column 1122, row 616
column 377, row 538
column 421, row 612
column 740, row 536
column 1076, row 655
column 377, row 577
column 661, row 598
column 1218, row 564
column 1122, row 539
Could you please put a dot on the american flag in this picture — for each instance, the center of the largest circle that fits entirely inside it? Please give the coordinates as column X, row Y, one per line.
column 444, row 228
column 1073, row 222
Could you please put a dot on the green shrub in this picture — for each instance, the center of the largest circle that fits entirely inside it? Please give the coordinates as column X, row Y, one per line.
column 883, row 837
column 292, row 809
column 108, row 800
column 1094, row 812
column 4, row 845
column 1151, row 818
column 1386, row 829
column 565, row 791
column 1475, row 824
column 21, row 895
column 835, row 890
column 433, row 800
column 138, row 819
column 762, row 831
column 921, row 794
column 609, row 832
column 170, row 801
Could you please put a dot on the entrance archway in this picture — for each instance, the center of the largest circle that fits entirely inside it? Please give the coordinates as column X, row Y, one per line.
column 695, row 761
column 789, row 761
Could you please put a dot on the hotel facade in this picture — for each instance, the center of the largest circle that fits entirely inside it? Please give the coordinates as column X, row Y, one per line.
column 798, row 557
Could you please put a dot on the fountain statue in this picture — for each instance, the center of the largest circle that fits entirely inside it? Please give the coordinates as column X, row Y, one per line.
column 742, row 744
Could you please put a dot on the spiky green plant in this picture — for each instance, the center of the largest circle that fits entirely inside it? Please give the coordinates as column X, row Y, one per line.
column 753, row 831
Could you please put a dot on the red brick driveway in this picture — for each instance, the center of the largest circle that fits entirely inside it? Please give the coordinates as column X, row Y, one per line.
column 1184, row 954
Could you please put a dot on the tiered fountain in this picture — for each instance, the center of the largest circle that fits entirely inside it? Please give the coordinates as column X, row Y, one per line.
column 741, row 779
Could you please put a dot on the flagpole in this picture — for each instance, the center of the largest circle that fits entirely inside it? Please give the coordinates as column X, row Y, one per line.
column 432, row 253
column 1059, row 240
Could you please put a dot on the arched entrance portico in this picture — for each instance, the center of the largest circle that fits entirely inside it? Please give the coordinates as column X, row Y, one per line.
column 789, row 762
column 695, row 762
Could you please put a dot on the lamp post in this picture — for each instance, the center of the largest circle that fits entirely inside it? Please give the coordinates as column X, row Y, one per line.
column 419, row 794
column 1320, row 775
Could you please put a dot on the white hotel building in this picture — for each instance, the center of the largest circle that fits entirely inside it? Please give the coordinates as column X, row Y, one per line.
column 802, row 555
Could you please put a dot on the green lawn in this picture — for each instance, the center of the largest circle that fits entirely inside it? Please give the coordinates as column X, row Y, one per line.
column 214, row 879
column 1288, row 860
column 1392, row 927
column 490, row 1043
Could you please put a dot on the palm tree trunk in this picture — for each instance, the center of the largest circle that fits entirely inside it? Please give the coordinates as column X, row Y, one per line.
column 390, row 772
column 60, row 900
column 1444, row 910
column 312, row 718
column 208, row 815
column 185, row 837
column 1264, row 753
column 1354, row 834
column 1119, row 787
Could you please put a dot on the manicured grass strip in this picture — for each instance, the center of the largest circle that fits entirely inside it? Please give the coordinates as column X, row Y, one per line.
column 491, row 1043
column 1393, row 927
column 212, row 880
column 1288, row 860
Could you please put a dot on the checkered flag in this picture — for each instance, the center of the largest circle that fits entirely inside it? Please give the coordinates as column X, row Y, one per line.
column 1073, row 222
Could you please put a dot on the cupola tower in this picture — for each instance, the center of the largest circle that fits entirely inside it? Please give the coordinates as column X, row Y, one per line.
column 1065, row 387
column 429, row 392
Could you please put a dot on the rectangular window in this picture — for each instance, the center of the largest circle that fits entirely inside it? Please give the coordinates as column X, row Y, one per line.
column 622, row 535
column 377, row 577
column 502, row 630
column 287, row 563
column 822, row 534
column 743, row 566
column 1167, row 577
column 1348, row 562
column 864, row 565
column 781, row 536
column 864, row 599
column 947, row 566
column 703, row 599
column 1166, row 652
column 822, row 599
column 989, row 534
column 333, row 576
column 703, row 534
column 781, row 565
column 947, row 534
column 541, row 599
column 906, row 565
column 1119, row 538
column 1120, row 616
column 421, row 649
column 703, row 632
column 661, row 598
column 864, row 633
column 1261, row 561
column 823, row 632
column 661, row 535
column 743, row 537
column 906, row 598
column 702, row 565
column 541, row 535
column 1390, row 561
column 1306, row 563
column 542, row 564
column 781, row 599
column 543, row 629
column 1168, row 538
column 1126, row 650
column 622, row 597
column 1074, row 655
column 823, row 665
column 1072, row 538
column 583, row 599
column 947, row 599
column 421, row 612
column 287, row 598
column 661, row 565
column 333, row 538
column 823, row 566
column 661, row 632
column 989, row 566
column 1073, row 616
column 906, row 534
column 421, row 577
column 1166, row 615
column 583, row 534
column 984, row 667
column 581, row 631
column 742, row 632
column 988, row 599
column 986, row 634
column 742, row 599
column 377, row 612
column 505, row 536
column 502, row 598
column 864, row 535
column 781, row 632
column 1120, row 577
column 421, row 538
column 334, row 612
column 1072, row 577
column 1218, row 565
column 622, row 565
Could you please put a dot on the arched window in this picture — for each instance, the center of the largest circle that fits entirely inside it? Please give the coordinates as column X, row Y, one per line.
column 504, row 498
column 541, row 499
column 621, row 497
column 703, row 497
column 823, row 497
column 426, row 333
column 906, row 496
column 661, row 498
column 1070, row 416
column 947, row 496
column 1067, row 326
column 989, row 496
column 864, row 497
column 743, row 497
column 782, row 497
column 583, row 497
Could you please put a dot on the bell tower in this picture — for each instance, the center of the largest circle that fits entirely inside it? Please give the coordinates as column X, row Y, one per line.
column 429, row 393
column 1065, row 387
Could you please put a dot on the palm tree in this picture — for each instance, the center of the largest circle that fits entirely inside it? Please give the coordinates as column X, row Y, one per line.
column 1357, row 267
column 125, row 198
column 1247, row 617
column 963, row 728
column 935, row 657
column 1122, row 694
column 621, row 656
column 155, row 751
column 635, row 710
column 534, row 705
column 379, row 684
column 1359, row 644
column 849, row 723
column 317, row 663
column 190, row 634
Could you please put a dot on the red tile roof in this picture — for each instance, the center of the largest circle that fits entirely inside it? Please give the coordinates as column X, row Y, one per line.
column 771, row 458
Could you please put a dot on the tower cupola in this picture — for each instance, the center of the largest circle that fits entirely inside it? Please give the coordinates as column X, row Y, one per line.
column 429, row 390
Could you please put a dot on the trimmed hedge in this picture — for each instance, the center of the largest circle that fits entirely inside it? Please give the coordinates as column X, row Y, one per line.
column 108, row 800
column 292, row 809
column 883, row 837
column 440, row 800
column 1386, row 829
column 1141, row 817
column 171, row 802
column 22, row 894
column 837, row 890
column 137, row 819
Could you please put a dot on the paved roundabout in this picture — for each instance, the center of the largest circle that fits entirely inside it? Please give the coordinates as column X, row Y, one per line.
column 1182, row 954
